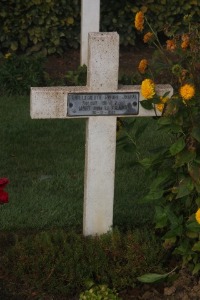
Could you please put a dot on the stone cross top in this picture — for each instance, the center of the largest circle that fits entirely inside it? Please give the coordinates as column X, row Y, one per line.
column 53, row 102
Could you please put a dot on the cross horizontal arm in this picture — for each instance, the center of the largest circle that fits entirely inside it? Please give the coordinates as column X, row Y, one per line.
column 51, row 102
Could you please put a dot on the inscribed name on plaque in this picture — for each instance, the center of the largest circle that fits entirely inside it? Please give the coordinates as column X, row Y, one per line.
column 102, row 104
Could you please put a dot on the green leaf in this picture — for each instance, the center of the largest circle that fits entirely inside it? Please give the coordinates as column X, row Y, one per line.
column 161, row 179
column 197, row 160
column 153, row 277
column 196, row 247
column 177, row 147
column 146, row 162
column 178, row 231
column 184, row 157
column 196, row 269
column 184, row 248
column 194, row 171
column 161, row 216
column 186, row 186
column 164, row 121
column 147, row 104
column 197, row 186
column 167, row 93
column 175, row 220
column 196, row 133
column 193, row 226
column 153, row 195
column 198, row 201
column 153, row 161
column 191, row 234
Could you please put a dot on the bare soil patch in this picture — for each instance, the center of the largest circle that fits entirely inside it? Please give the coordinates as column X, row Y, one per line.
column 129, row 58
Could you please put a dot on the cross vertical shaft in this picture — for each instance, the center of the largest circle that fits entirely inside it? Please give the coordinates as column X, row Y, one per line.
column 90, row 19
column 100, row 137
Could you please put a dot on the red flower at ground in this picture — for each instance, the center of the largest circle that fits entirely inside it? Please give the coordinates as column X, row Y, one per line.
column 3, row 194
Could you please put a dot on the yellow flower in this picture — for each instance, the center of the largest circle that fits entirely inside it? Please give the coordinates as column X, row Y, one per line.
column 147, row 88
column 143, row 66
column 187, row 91
column 185, row 41
column 160, row 106
column 147, row 37
column 7, row 55
column 139, row 21
column 184, row 45
column 197, row 216
column 164, row 99
column 171, row 45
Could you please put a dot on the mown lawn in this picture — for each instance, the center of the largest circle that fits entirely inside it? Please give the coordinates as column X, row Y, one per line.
column 44, row 161
column 42, row 251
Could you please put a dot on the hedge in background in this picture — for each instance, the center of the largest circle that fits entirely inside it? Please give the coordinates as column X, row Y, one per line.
column 39, row 25
column 52, row 26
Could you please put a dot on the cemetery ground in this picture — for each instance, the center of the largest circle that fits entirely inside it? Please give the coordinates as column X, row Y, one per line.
column 43, row 254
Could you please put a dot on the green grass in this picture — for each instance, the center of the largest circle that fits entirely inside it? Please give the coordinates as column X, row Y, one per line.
column 42, row 250
column 44, row 161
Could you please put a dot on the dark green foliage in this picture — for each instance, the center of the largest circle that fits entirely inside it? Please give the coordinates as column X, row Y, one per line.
column 78, row 77
column 53, row 26
column 63, row 263
column 46, row 26
column 128, row 79
column 19, row 73
column 118, row 16
column 164, row 13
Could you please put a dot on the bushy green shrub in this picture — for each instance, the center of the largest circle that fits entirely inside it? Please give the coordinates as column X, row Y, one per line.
column 19, row 72
column 52, row 26
column 118, row 16
column 165, row 13
column 39, row 26
column 63, row 263
column 175, row 167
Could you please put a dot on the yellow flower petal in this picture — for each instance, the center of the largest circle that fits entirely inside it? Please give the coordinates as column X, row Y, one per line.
column 185, row 45
column 139, row 21
column 148, row 88
column 197, row 216
column 160, row 107
column 147, row 37
column 143, row 66
column 187, row 91
column 171, row 45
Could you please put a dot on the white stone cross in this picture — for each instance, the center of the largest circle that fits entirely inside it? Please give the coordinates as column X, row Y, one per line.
column 52, row 102
column 90, row 20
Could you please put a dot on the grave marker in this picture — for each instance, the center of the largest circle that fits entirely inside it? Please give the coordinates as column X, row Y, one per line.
column 102, row 85
column 90, row 19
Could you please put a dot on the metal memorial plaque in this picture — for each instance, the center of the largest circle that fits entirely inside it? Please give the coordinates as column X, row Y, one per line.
column 102, row 104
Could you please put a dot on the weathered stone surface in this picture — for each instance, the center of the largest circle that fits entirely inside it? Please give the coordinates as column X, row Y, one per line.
column 51, row 102
column 90, row 19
